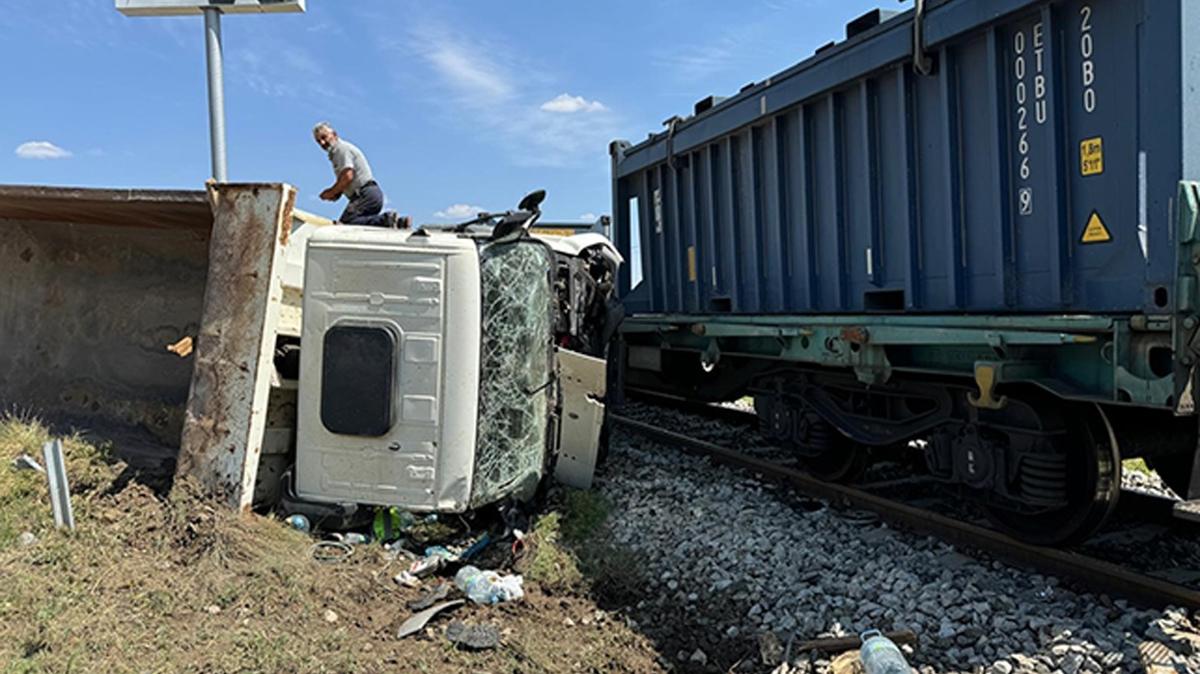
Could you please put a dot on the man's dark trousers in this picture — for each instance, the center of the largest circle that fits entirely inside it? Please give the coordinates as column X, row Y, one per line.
column 365, row 207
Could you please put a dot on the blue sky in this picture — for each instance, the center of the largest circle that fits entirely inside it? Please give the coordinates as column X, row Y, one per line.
column 457, row 105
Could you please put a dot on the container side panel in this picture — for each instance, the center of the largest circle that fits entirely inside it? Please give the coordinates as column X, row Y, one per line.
column 706, row 260
column 725, row 224
column 690, row 231
column 773, row 224
column 1032, row 171
column 891, row 164
column 978, row 119
column 1161, row 95
column 857, row 190
column 1100, row 43
column 934, row 219
column 827, row 206
column 801, row 250
column 749, row 228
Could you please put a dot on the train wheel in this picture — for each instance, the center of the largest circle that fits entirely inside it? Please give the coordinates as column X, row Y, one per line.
column 1093, row 485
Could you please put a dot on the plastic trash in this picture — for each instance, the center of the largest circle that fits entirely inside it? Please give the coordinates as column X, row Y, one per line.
column 488, row 587
column 880, row 655
column 299, row 523
column 391, row 523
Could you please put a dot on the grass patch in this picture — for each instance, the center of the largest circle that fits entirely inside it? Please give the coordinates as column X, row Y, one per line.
column 24, row 496
column 182, row 584
column 549, row 563
column 1136, row 466
column 584, row 514
column 570, row 552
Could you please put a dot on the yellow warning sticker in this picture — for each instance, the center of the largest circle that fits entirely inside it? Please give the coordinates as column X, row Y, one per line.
column 692, row 264
column 1091, row 157
column 1096, row 232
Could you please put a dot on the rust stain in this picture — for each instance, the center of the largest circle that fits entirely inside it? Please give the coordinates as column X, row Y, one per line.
column 856, row 335
column 285, row 221
column 250, row 223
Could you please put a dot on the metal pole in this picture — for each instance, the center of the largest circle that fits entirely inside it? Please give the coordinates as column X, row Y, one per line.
column 216, row 92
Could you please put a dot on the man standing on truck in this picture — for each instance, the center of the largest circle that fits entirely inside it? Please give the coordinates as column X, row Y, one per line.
column 353, row 179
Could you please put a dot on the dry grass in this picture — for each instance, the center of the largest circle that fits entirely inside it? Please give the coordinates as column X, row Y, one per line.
column 155, row 585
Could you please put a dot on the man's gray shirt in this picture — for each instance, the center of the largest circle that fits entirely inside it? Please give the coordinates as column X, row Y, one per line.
column 344, row 155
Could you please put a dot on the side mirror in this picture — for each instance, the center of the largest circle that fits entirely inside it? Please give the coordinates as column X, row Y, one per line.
column 532, row 201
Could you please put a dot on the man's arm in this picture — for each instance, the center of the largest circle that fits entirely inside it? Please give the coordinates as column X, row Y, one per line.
column 343, row 181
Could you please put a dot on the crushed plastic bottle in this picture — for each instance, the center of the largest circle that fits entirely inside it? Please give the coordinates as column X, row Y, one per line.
column 880, row 655
column 488, row 587
column 299, row 523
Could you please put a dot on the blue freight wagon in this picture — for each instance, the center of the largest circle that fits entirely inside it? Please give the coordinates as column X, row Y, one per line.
column 970, row 224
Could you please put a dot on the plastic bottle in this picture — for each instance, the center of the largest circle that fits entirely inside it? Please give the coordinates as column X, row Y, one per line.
column 487, row 587
column 299, row 523
column 880, row 655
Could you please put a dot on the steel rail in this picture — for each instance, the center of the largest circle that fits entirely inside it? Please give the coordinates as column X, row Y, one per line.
column 1099, row 575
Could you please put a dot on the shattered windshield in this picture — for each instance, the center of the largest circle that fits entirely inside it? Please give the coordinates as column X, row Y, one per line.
column 515, row 369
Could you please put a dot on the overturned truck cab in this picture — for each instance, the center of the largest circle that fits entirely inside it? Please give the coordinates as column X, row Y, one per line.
column 436, row 371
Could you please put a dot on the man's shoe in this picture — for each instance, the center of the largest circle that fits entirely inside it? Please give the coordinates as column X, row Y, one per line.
column 392, row 218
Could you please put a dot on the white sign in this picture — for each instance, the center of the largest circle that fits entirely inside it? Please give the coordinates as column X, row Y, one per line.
column 182, row 7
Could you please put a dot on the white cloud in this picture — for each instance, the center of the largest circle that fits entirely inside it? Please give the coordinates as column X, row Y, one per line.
column 588, row 217
column 41, row 149
column 567, row 103
column 496, row 93
column 460, row 212
column 469, row 72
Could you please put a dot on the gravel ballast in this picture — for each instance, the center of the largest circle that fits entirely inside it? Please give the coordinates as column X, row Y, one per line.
column 727, row 558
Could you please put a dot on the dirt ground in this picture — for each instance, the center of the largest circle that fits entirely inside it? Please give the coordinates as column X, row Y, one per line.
column 154, row 584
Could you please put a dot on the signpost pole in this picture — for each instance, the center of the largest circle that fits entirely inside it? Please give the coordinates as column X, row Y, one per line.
column 216, row 92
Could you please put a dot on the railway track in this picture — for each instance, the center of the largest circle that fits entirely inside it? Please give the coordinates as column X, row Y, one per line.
column 1096, row 574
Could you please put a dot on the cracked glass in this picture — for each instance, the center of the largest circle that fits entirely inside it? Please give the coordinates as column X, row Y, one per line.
column 516, row 366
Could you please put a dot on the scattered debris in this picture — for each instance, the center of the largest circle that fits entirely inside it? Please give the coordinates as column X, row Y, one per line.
column 430, row 597
column 417, row 622
column 212, row 609
column 488, row 587
column 473, row 637
column 435, row 558
column 850, row 662
column 880, row 655
column 833, row 645
column 330, row 616
column 391, row 523
column 407, row 579
column 352, row 538
column 183, row 348
column 331, row 552
column 299, row 523
column 26, row 462
column 27, row 539
column 56, row 477
column 1156, row 658
column 770, row 649
column 699, row 658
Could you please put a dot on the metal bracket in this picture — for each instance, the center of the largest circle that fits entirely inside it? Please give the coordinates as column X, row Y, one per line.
column 922, row 64
column 986, row 378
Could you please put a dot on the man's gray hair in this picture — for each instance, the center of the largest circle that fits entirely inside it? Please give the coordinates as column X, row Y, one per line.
column 323, row 125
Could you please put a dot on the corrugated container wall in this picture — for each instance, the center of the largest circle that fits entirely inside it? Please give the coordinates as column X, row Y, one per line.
column 1032, row 170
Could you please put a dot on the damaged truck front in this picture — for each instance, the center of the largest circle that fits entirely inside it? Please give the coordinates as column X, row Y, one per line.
column 431, row 370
